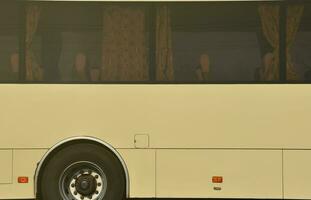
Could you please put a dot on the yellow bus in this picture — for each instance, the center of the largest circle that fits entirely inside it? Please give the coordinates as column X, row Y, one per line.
column 111, row 100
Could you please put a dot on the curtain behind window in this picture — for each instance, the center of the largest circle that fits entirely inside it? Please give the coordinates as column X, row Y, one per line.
column 124, row 44
column 164, row 53
column 269, row 15
column 33, row 70
column 294, row 15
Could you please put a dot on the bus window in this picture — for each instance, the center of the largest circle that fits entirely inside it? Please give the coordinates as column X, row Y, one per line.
column 225, row 41
column 9, row 40
column 299, row 42
column 62, row 41
column 86, row 42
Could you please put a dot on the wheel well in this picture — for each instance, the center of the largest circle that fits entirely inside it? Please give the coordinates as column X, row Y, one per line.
column 72, row 141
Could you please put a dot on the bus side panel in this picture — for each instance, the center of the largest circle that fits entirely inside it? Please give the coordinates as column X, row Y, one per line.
column 200, row 116
column 6, row 157
column 24, row 164
column 141, row 167
column 246, row 173
column 231, row 116
column 297, row 174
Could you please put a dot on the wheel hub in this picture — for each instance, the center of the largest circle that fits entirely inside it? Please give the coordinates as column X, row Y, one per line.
column 86, row 184
column 83, row 181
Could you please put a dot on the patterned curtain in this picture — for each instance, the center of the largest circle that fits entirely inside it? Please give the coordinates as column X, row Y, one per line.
column 164, row 54
column 294, row 14
column 124, row 44
column 33, row 70
column 269, row 15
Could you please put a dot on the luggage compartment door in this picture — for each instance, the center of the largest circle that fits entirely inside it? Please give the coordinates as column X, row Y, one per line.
column 6, row 166
column 297, row 174
column 241, row 173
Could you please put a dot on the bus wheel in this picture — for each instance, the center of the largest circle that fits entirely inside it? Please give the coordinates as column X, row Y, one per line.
column 82, row 171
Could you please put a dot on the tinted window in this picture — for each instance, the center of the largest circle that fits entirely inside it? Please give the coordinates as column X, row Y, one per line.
column 79, row 42
column 63, row 42
column 141, row 42
column 299, row 42
column 225, row 42
column 9, row 40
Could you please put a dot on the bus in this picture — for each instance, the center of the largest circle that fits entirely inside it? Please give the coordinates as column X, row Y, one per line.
column 110, row 100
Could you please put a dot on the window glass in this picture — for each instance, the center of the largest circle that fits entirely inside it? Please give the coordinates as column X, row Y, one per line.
column 299, row 42
column 86, row 42
column 225, row 42
column 9, row 40
column 62, row 42
column 201, row 41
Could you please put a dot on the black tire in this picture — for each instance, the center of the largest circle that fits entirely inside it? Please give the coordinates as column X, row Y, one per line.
column 73, row 155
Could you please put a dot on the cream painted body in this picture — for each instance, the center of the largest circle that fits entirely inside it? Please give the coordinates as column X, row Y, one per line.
column 297, row 174
column 247, row 173
column 6, row 166
column 250, row 134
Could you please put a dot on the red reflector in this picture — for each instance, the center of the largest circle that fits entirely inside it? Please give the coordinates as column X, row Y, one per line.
column 217, row 179
column 22, row 179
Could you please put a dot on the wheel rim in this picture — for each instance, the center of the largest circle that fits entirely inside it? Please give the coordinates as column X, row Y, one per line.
column 83, row 181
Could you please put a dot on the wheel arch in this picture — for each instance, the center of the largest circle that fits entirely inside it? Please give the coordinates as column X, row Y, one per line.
column 73, row 140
